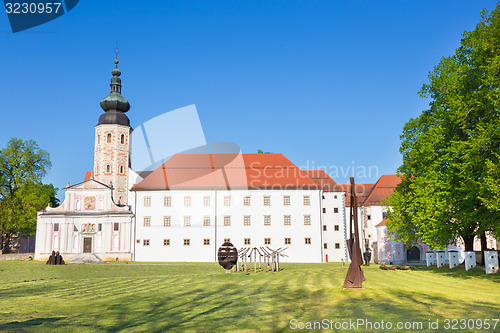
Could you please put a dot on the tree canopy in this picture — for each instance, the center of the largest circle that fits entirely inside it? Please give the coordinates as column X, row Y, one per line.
column 22, row 167
column 451, row 153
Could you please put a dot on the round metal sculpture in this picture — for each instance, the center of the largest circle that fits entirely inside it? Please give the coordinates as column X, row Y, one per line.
column 227, row 255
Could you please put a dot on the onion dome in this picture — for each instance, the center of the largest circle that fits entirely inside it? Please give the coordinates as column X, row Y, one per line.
column 115, row 104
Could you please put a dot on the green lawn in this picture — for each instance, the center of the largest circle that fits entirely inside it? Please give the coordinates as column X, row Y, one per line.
column 201, row 297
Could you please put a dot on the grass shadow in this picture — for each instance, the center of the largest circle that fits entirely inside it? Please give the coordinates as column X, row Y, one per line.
column 27, row 324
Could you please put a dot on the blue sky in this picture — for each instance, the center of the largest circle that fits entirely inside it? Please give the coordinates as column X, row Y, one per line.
column 326, row 83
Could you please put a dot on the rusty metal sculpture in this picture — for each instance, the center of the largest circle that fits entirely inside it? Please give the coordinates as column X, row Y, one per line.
column 227, row 256
column 355, row 275
column 55, row 259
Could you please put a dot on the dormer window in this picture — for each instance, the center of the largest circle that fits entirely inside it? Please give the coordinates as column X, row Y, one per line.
column 108, row 138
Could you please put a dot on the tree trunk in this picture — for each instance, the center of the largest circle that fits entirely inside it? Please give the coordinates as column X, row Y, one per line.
column 2, row 235
column 484, row 243
column 8, row 241
column 468, row 242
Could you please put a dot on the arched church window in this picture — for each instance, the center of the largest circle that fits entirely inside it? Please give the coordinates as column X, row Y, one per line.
column 108, row 138
column 122, row 139
column 121, row 168
column 97, row 170
column 98, row 138
column 108, row 168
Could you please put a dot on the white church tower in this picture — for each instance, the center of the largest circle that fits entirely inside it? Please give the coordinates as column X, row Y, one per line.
column 112, row 141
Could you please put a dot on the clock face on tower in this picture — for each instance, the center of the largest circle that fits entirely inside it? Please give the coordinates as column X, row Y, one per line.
column 89, row 203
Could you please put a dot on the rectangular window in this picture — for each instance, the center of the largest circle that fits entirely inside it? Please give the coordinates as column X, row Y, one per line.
column 247, row 241
column 206, row 221
column 166, row 242
column 384, row 215
column 325, row 246
column 187, row 221
column 167, row 201
column 187, row 201
column 307, row 200
column 227, row 220
column 99, row 226
column 324, row 210
column 267, row 220
column 145, row 242
column 267, row 241
column 227, row 240
column 368, row 217
column 267, row 201
column 337, row 245
column 288, row 241
column 324, row 228
column 187, row 242
column 116, row 226
column 138, row 241
column 286, row 200
column 336, row 227
column 227, row 201
column 167, row 221
column 307, row 219
column 335, row 210
column 147, row 221
column 308, row 240
column 56, row 226
column 206, row 241
column 246, row 220
column 206, row 201
column 246, row 201
column 335, row 196
column 287, row 220
column 147, row 201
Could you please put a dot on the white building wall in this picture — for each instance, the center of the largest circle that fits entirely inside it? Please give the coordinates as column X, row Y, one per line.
column 333, row 219
column 66, row 240
column 298, row 250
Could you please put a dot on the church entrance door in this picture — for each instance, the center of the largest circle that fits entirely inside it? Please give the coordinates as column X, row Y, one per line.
column 413, row 254
column 87, row 245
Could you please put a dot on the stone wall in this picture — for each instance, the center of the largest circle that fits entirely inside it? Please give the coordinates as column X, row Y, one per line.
column 16, row 256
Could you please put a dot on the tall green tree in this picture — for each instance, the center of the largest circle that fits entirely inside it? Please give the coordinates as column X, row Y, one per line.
column 22, row 166
column 451, row 151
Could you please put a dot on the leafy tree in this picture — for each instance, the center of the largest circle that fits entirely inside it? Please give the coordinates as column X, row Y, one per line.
column 22, row 193
column 451, row 152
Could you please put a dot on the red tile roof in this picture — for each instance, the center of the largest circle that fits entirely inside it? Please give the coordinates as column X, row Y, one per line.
column 227, row 171
column 362, row 192
column 324, row 180
column 383, row 188
column 88, row 175
column 382, row 224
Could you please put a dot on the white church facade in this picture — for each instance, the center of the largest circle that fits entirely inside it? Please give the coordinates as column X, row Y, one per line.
column 191, row 204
